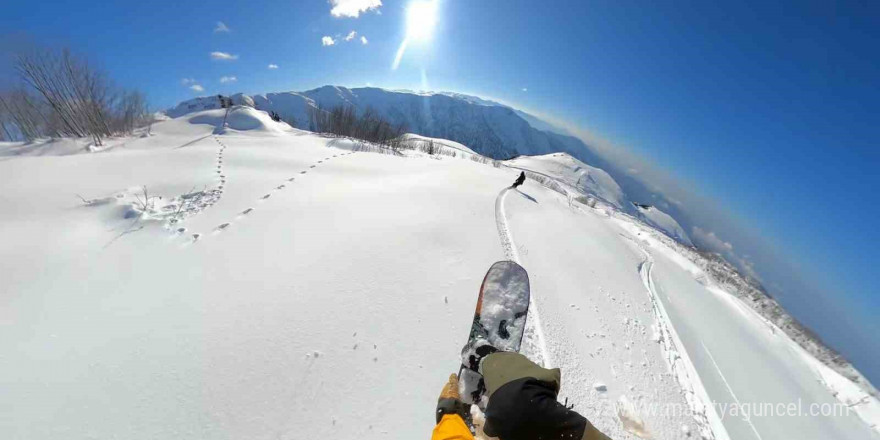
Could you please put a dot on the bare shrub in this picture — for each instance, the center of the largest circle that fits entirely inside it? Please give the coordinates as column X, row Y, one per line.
column 146, row 203
column 131, row 112
column 344, row 121
column 63, row 95
column 23, row 116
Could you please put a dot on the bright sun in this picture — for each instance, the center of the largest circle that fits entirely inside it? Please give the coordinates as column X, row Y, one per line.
column 421, row 16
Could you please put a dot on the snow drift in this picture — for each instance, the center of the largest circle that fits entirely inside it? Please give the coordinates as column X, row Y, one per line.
column 241, row 118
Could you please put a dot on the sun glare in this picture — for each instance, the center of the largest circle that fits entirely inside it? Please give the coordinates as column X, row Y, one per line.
column 421, row 16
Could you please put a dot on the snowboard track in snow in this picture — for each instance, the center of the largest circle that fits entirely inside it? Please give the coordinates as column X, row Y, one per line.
column 678, row 360
column 534, row 342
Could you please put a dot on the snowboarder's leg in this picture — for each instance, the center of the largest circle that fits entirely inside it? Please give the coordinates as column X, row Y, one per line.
column 522, row 402
column 502, row 367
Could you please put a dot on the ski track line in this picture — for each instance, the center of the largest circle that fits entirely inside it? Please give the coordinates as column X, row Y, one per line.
column 509, row 246
column 674, row 349
column 729, row 389
column 224, row 226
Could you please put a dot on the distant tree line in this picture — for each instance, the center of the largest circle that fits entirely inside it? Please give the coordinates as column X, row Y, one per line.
column 60, row 94
column 345, row 121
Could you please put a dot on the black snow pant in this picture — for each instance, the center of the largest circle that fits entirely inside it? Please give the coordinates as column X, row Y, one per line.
column 522, row 402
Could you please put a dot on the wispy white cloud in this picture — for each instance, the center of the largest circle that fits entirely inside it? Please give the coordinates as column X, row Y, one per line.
column 525, row 89
column 223, row 56
column 327, row 41
column 350, row 36
column 364, row 40
column 221, row 27
column 196, row 88
column 273, row 66
column 228, row 79
column 711, row 241
column 187, row 81
column 353, row 8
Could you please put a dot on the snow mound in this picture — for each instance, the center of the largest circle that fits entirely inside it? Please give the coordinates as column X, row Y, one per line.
column 664, row 222
column 240, row 118
column 580, row 176
column 202, row 103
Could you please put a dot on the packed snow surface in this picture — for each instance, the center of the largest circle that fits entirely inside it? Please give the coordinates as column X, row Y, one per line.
column 257, row 281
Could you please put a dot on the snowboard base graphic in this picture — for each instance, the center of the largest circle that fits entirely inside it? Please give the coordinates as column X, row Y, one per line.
column 499, row 324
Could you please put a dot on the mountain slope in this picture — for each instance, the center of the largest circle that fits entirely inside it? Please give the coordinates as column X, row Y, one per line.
column 277, row 284
column 577, row 175
column 489, row 128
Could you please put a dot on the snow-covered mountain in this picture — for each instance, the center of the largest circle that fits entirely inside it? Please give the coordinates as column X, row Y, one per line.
column 489, row 128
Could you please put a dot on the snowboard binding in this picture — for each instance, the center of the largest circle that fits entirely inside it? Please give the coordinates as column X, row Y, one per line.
column 474, row 352
column 472, row 387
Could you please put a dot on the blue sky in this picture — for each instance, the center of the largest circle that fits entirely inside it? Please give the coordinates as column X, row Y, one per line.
column 762, row 116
